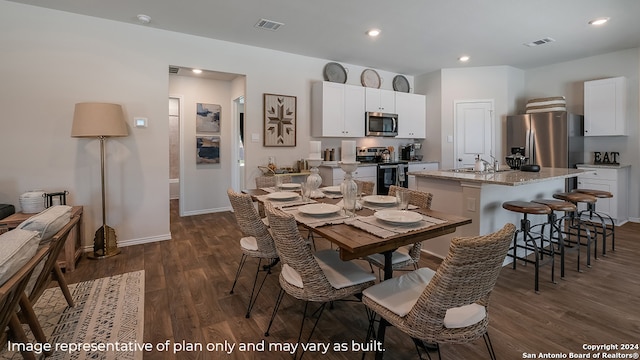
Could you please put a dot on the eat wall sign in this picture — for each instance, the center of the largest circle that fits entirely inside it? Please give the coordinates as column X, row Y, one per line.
column 606, row 157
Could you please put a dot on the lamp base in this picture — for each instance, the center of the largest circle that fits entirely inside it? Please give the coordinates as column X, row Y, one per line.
column 104, row 244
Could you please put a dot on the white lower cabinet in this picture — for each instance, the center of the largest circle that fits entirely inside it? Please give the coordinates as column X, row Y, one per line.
column 614, row 180
column 332, row 176
column 420, row 167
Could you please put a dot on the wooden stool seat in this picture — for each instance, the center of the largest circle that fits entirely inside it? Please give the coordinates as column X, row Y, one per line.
column 597, row 193
column 575, row 197
column 557, row 205
column 526, row 207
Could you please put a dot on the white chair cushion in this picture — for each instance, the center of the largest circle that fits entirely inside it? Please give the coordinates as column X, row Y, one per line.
column 400, row 294
column 340, row 274
column 18, row 246
column 249, row 243
column 48, row 222
column 398, row 256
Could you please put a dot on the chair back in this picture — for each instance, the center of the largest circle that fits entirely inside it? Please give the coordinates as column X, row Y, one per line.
column 366, row 187
column 295, row 252
column 417, row 198
column 43, row 277
column 466, row 276
column 270, row 181
column 250, row 222
column 12, row 290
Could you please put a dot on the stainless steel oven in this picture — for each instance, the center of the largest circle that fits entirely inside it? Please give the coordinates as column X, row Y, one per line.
column 392, row 174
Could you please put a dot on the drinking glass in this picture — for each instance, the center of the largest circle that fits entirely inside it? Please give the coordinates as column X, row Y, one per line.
column 402, row 200
column 278, row 182
column 305, row 191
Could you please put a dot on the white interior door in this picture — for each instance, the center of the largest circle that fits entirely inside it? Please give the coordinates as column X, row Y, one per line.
column 474, row 126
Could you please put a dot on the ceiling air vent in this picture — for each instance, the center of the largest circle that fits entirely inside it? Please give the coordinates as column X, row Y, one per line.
column 268, row 24
column 173, row 70
column 539, row 42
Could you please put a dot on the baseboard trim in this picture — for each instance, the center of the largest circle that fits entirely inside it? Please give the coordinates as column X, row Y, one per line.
column 131, row 242
column 206, row 211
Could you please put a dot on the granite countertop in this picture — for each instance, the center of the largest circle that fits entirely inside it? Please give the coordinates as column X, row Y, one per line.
column 508, row 177
column 604, row 166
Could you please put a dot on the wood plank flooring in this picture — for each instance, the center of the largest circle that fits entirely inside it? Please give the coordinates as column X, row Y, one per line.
column 189, row 277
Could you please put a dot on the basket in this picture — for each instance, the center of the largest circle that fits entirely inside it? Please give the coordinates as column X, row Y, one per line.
column 515, row 162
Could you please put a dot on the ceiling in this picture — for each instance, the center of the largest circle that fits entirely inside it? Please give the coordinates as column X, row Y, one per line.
column 418, row 36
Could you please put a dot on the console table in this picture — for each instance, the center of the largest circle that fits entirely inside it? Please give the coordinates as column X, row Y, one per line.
column 72, row 247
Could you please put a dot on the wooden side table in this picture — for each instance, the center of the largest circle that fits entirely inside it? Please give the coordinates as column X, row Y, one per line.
column 72, row 247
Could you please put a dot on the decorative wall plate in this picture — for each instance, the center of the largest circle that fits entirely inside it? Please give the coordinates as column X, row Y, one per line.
column 335, row 72
column 400, row 83
column 370, row 78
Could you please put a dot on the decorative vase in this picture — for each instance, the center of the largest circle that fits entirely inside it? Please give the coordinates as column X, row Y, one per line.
column 349, row 188
column 314, row 180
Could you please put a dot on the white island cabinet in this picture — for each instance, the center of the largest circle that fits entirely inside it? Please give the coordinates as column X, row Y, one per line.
column 337, row 110
column 479, row 196
column 614, row 179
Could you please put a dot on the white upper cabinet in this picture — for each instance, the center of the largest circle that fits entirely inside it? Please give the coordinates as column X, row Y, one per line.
column 337, row 110
column 412, row 115
column 605, row 107
column 378, row 100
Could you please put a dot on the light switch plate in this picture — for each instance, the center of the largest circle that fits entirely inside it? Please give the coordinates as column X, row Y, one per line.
column 255, row 137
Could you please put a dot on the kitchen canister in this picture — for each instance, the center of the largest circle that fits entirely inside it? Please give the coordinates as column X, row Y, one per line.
column 32, row 202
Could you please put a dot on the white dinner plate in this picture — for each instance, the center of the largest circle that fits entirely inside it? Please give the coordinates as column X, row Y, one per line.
column 290, row 186
column 332, row 189
column 318, row 209
column 282, row 195
column 380, row 199
column 400, row 217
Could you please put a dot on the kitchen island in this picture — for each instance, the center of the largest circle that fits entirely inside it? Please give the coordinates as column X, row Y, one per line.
column 479, row 196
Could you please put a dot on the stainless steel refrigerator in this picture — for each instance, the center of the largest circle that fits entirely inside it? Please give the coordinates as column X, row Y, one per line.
column 550, row 139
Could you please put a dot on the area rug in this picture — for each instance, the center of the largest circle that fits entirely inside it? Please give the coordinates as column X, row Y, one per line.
column 107, row 312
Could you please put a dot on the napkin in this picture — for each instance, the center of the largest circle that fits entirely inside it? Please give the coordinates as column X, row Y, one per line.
column 358, row 204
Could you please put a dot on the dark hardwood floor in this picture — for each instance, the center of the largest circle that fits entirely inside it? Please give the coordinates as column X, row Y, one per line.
column 187, row 299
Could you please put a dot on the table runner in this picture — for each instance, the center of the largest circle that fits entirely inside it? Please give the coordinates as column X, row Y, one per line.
column 285, row 203
column 316, row 221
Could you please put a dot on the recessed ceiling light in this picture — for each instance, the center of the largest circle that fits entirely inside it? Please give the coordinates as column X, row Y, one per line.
column 464, row 58
column 144, row 19
column 599, row 21
column 197, row 71
column 373, row 32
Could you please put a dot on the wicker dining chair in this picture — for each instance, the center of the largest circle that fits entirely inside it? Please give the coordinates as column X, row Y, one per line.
column 313, row 277
column 257, row 242
column 11, row 294
column 448, row 305
column 265, row 181
column 407, row 255
column 366, row 187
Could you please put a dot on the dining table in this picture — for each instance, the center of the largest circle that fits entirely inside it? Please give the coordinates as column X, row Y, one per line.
column 355, row 242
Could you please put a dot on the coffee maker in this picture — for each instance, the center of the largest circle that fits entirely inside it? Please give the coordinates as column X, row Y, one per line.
column 407, row 152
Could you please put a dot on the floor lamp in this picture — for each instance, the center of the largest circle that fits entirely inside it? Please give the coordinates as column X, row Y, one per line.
column 100, row 120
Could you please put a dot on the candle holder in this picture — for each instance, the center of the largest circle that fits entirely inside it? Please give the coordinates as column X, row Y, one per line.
column 349, row 188
column 314, row 180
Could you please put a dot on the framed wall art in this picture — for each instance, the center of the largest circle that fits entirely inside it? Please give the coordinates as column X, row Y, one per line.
column 280, row 120
column 207, row 149
column 208, row 118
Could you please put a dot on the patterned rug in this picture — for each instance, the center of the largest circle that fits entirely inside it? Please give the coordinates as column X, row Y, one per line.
column 107, row 312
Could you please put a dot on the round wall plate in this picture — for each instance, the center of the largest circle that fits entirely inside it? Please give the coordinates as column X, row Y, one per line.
column 370, row 78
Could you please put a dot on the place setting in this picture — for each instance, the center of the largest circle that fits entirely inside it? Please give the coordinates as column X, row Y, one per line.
column 281, row 199
column 318, row 214
column 332, row 192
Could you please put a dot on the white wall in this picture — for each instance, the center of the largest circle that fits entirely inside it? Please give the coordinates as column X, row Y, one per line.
column 481, row 83
column 52, row 60
column 568, row 79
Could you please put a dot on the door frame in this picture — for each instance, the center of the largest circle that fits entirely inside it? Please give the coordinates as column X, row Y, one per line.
column 181, row 152
column 235, row 144
column 456, row 136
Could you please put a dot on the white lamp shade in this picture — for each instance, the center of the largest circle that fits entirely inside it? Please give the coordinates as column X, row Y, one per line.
column 98, row 120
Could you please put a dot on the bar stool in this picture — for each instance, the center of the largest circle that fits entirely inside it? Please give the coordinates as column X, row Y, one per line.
column 577, row 223
column 526, row 208
column 603, row 230
column 556, row 225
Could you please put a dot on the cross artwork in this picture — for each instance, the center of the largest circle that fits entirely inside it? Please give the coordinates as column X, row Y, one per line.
column 280, row 120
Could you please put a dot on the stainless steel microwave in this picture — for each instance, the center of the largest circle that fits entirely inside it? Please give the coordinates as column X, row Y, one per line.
column 381, row 124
